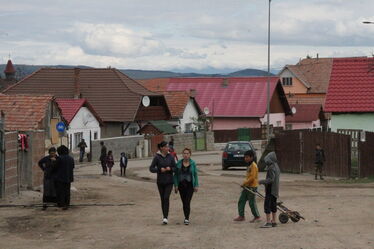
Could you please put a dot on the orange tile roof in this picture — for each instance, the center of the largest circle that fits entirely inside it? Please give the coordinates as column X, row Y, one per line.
column 314, row 73
column 158, row 84
column 24, row 113
column 177, row 102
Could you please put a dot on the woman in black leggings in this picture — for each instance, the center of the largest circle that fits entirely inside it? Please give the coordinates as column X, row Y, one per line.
column 186, row 182
column 164, row 165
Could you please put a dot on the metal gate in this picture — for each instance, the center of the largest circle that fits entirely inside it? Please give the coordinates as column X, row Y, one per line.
column 200, row 140
column 2, row 154
column 244, row 134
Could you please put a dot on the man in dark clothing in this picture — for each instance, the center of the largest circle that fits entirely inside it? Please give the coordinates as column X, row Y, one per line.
column 47, row 164
column 64, row 176
column 103, row 158
column 123, row 163
column 82, row 149
column 320, row 158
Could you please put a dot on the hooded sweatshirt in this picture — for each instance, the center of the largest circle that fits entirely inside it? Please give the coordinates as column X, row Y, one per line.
column 272, row 174
column 161, row 161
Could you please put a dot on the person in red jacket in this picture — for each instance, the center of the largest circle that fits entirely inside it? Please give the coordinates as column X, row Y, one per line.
column 110, row 162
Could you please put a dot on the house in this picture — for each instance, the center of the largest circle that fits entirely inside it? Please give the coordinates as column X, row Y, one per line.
column 234, row 103
column 305, row 116
column 31, row 119
column 184, row 109
column 307, row 81
column 157, row 127
column 350, row 96
column 10, row 76
column 122, row 104
column 82, row 122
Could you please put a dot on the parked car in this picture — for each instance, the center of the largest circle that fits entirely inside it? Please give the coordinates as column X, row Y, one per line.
column 233, row 154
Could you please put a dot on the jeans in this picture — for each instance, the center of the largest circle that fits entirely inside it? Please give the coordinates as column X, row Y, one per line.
column 81, row 155
column 186, row 192
column 165, row 191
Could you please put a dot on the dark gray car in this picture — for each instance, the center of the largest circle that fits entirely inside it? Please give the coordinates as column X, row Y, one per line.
column 233, row 154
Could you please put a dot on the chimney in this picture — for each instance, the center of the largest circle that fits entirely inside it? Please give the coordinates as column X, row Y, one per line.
column 193, row 93
column 225, row 83
column 77, row 93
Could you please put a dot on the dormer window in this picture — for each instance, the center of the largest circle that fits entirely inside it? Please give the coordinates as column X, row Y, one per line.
column 287, row 81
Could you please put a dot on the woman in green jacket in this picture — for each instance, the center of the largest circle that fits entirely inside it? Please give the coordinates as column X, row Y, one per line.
column 186, row 182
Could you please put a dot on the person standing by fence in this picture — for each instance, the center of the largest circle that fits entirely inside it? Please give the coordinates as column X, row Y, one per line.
column 164, row 165
column 320, row 159
column 186, row 182
column 103, row 158
column 123, row 164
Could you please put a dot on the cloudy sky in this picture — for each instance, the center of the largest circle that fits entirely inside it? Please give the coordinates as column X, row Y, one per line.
column 182, row 35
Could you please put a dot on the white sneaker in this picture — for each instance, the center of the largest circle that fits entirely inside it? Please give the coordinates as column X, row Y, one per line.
column 186, row 222
column 165, row 221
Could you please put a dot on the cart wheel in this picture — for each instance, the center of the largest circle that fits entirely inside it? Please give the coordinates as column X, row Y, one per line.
column 296, row 217
column 283, row 218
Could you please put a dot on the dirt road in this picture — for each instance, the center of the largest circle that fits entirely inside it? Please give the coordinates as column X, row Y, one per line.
column 338, row 215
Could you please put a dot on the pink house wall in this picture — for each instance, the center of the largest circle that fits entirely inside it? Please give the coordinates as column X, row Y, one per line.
column 235, row 123
column 305, row 125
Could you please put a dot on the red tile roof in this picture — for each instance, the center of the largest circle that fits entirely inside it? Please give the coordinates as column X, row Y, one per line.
column 304, row 113
column 313, row 72
column 155, row 85
column 351, row 87
column 177, row 102
column 231, row 97
column 9, row 69
column 113, row 95
column 70, row 107
column 24, row 113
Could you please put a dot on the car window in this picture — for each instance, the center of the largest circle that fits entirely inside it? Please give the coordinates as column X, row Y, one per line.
column 236, row 147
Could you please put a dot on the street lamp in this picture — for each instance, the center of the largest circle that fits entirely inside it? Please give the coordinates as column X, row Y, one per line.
column 268, row 84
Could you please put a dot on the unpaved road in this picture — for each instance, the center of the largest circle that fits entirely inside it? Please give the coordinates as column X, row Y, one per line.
column 338, row 215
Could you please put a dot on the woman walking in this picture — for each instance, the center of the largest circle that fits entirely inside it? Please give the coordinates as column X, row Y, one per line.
column 164, row 165
column 47, row 164
column 110, row 162
column 186, row 182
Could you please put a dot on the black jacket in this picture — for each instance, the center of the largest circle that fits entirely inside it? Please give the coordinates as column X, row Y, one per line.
column 159, row 161
column 320, row 156
column 47, row 165
column 64, row 169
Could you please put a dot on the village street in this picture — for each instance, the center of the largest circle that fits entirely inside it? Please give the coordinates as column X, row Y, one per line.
column 338, row 215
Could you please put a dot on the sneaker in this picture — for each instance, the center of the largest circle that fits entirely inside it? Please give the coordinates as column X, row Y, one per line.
column 165, row 221
column 266, row 225
column 239, row 218
column 186, row 222
column 274, row 224
column 255, row 220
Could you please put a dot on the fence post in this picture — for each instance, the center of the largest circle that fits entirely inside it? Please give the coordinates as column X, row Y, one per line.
column 301, row 162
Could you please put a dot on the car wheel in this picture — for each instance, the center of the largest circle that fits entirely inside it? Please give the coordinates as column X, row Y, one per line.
column 224, row 166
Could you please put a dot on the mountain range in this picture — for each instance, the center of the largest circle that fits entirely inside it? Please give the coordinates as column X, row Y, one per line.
column 25, row 70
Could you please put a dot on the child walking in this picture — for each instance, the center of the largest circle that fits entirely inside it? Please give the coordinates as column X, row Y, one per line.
column 251, row 182
column 123, row 163
column 110, row 162
column 271, row 189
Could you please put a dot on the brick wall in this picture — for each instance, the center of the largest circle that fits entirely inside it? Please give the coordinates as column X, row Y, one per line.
column 11, row 180
column 38, row 151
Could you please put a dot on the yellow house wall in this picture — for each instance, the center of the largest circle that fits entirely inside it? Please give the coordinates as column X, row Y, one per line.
column 297, row 85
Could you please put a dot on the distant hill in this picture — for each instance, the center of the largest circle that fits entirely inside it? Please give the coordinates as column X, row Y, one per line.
column 25, row 70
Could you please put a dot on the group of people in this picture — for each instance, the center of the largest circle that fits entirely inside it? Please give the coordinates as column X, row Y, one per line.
column 250, row 185
column 107, row 161
column 58, row 176
column 182, row 175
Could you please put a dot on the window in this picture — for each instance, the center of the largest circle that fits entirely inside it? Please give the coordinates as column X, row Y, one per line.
column 287, row 81
column 132, row 130
column 95, row 135
column 188, row 127
column 77, row 138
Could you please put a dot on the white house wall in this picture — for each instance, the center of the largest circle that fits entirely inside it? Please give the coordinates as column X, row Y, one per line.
column 84, row 121
column 189, row 114
column 276, row 119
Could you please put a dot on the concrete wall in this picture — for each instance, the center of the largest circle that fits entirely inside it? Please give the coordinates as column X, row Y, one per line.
column 125, row 144
column 364, row 121
column 11, row 180
column 182, row 141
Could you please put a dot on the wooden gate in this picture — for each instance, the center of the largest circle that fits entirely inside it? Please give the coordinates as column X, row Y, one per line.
column 366, row 156
column 155, row 140
column 296, row 152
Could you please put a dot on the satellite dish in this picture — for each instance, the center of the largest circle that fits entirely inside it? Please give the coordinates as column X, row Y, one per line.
column 206, row 110
column 293, row 110
column 146, row 101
